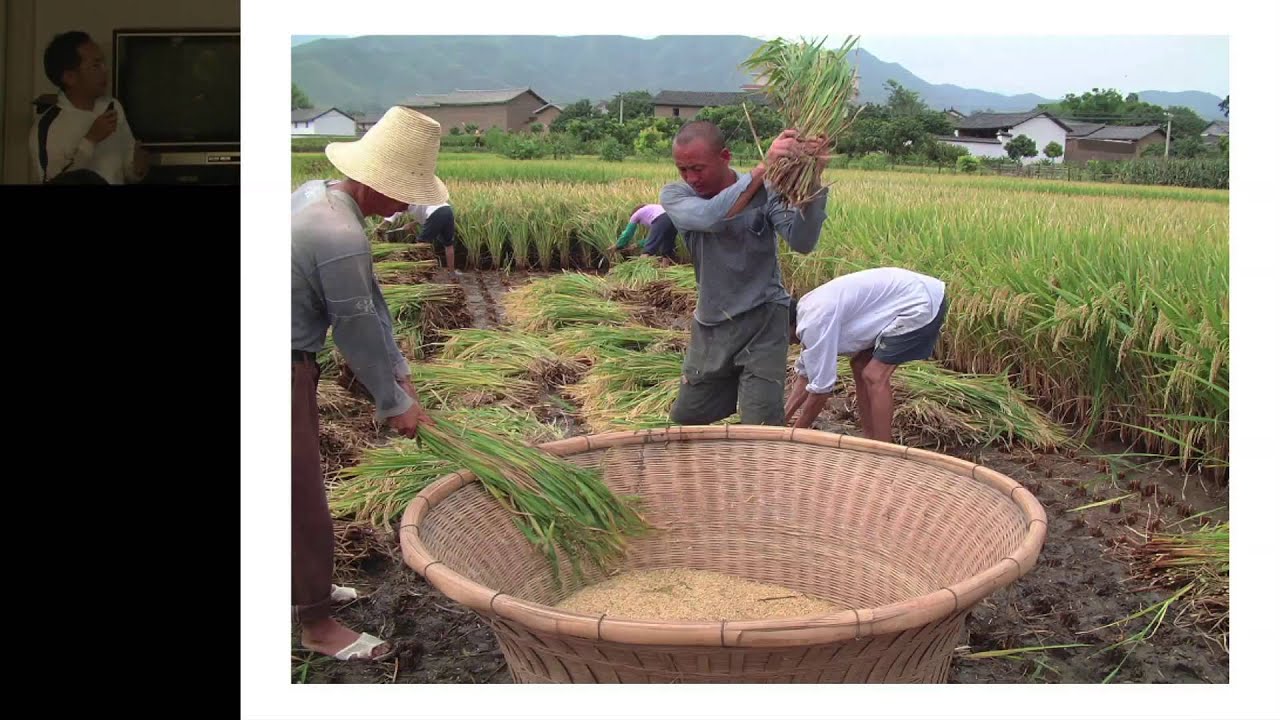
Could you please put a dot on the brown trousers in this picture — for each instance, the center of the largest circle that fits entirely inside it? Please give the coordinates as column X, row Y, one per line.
column 312, row 524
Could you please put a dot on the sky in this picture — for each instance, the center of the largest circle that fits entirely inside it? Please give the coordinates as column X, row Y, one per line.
column 1053, row 65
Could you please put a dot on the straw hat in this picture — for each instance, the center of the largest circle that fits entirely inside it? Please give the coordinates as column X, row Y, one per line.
column 397, row 157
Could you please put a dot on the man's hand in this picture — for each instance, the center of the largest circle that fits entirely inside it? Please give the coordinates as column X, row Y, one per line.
column 820, row 148
column 407, row 422
column 782, row 146
column 141, row 160
column 102, row 127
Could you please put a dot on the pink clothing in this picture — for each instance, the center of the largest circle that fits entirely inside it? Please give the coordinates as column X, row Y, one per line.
column 647, row 214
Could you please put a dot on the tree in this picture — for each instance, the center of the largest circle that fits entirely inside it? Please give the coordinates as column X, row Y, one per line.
column 576, row 110
column 1021, row 147
column 300, row 99
column 732, row 121
column 470, row 128
column 635, row 104
column 944, row 153
column 1225, row 106
column 903, row 102
column 1053, row 150
column 536, row 128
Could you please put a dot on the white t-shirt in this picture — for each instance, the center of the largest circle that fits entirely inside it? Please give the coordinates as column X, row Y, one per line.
column 419, row 212
column 847, row 315
column 69, row 149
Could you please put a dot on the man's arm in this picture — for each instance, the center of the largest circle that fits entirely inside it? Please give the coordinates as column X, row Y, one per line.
column 690, row 213
column 65, row 151
column 800, row 227
column 358, row 331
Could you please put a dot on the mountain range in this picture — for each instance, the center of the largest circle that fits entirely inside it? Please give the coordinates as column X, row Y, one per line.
column 371, row 73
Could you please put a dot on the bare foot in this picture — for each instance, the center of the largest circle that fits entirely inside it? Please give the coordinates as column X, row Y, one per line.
column 329, row 637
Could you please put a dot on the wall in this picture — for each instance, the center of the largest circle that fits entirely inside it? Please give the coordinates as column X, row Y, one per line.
column 4, row 83
column 334, row 123
column 520, row 111
column 686, row 112
column 1043, row 131
column 548, row 116
column 18, row 113
column 31, row 25
column 1083, row 150
column 976, row 149
column 484, row 116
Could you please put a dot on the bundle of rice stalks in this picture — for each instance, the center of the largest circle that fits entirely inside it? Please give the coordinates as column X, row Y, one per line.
column 812, row 88
column 563, row 301
column 1199, row 561
column 641, row 272
column 559, row 506
column 503, row 347
column 400, row 251
column 420, row 312
column 588, row 344
column 472, row 384
column 937, row 407
column 407, row 272
column 378, row 489
column 629, row 390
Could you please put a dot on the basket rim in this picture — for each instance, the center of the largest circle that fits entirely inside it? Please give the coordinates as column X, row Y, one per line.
column 777, row 632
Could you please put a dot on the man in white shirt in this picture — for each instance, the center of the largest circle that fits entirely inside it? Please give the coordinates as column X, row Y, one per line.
column 86, row 132
column 434, row 222
column 880, row 318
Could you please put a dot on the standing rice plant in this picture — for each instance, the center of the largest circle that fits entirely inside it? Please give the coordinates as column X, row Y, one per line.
column 812, row 88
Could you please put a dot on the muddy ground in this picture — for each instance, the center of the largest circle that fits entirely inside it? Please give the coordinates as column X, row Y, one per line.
column 1082, row 580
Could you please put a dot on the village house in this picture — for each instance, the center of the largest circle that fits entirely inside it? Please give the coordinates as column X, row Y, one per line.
column 1097, row 141
column 511, row 109
column 323, row 121
column 986, row 134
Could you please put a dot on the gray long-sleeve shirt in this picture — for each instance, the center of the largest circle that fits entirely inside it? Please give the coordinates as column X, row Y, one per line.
column 735, row 261
column 334, row 285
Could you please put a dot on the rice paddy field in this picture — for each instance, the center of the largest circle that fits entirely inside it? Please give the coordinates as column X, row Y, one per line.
column 1085, row 355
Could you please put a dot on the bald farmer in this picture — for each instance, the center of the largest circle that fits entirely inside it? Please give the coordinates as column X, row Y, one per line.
column 737, row 356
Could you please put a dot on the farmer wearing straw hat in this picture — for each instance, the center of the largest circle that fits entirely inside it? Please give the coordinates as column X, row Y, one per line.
column 389, row 168
column 880, row 318
column 737, row 357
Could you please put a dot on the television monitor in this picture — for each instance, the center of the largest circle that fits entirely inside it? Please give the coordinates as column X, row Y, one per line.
column 180, row 88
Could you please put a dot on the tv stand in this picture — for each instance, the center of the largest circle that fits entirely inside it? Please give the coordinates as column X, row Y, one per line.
column 186, row 167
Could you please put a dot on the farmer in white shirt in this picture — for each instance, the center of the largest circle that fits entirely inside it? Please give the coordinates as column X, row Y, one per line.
column 880, row 318
column 85, row 137
column 434, row 222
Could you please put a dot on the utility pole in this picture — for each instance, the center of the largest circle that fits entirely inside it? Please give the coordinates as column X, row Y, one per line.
column 623, row 98
column 1168, row 133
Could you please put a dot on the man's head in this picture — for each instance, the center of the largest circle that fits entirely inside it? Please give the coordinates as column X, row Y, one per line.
column 393, row 165
column 702, row 158
column 75, row 63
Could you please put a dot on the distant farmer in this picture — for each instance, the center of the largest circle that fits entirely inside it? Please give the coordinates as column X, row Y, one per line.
column 662, row 234
column 880, row 318
column 435, row 223
column 334, row 286
column 737, row 356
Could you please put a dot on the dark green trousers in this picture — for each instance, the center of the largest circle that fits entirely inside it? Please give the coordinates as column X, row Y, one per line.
column 739, row 364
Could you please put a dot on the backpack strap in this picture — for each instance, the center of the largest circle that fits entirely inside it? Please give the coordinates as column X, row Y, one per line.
column 46, row 121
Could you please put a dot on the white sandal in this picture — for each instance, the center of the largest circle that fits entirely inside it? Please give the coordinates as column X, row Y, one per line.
column 362, row 649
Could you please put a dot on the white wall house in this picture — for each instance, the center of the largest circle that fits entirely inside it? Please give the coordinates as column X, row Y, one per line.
column 986, row 134
column 316, row 121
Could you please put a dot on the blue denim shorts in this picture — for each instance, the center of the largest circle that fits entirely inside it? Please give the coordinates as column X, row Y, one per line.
column 915, row 345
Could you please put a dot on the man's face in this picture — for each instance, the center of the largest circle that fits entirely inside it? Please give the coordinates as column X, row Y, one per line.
column 91, row 77
column 702, row 167
column 375, row 203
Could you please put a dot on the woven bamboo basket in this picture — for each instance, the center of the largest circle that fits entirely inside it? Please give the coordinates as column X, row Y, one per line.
column 908, row 540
